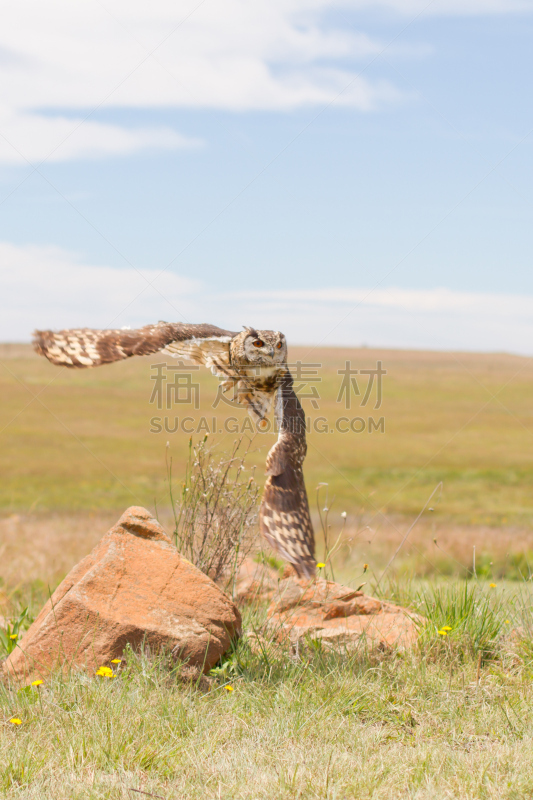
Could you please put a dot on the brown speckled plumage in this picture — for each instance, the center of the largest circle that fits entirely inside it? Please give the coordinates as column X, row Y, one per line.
column 258, row 374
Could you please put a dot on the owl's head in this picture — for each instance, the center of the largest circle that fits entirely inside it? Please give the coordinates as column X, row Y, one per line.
column 264, row 347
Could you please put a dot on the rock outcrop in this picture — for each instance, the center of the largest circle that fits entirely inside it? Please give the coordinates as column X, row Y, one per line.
column 255, row 582
column 133, row 588
column 338, row 616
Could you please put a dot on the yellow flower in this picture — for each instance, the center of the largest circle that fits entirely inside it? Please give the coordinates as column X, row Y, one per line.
column 37, row 682
column 14, row 636
column 15, row 721
column 443, row 632
column 365, row 567
column 116, row 661
column 320, row 565
column 228, row 688
column 507, row 621
column 492, row 585
column 105, row 672
column 445, row 628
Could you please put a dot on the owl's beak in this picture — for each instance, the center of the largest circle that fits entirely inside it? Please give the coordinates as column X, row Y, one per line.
column 271, row 352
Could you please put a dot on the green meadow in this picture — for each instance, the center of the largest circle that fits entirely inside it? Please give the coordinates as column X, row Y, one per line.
column 82, row 440
column 448, row 719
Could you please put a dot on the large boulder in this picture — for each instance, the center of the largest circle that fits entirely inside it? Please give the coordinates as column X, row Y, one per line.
column 338, row 616
column 133, row 588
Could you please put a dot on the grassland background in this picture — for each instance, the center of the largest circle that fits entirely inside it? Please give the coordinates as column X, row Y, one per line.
column 449, row 719
column 76, row 449
column 80, row 439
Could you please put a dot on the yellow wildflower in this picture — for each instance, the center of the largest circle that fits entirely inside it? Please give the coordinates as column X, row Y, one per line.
column 446, row 628
column 492, row 585
column 37, row 682
column 229, row 688
column 14, row 636
column 116, row 661
column 443, row 632
column 321, row 565
column 105, row 672
column 15, row 721
column 507, row 621
column 365, row 567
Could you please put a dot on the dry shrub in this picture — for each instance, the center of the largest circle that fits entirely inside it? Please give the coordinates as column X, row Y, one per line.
column 216, row 514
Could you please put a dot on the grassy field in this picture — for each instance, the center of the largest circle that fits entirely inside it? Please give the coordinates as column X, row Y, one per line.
column 451, row 719
column 77, row 448
column 81, row 440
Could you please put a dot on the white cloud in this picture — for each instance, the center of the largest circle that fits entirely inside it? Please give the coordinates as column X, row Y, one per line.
column 446, row 7
column 439, row 319
column 26, row 137
column 236, row 54
column 47, row 287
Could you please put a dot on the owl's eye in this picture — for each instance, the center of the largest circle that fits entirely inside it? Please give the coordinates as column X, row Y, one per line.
column 279, row 345
column 259, row 343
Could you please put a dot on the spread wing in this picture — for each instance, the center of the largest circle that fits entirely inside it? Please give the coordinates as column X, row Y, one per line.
column 84, row 347
column 284, row 514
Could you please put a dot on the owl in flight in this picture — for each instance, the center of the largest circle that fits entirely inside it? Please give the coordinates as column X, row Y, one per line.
column 255, row 364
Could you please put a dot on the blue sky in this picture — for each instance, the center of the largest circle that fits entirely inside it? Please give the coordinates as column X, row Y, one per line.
column 348, row 172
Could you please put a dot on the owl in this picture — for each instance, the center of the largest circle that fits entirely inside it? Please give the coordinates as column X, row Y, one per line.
column 253, row 363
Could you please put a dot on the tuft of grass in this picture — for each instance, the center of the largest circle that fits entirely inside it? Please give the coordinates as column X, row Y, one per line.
column 10, row 634
column 467, row 615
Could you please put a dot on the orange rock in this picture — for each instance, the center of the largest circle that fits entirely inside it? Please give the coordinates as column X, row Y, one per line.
column 338, row 615
column 134, row 587
column 255, row 582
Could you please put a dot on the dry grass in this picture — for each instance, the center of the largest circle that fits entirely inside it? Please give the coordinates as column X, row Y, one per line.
column 37, row 550
column 43, row 548
column 436, row 548
column 215, row 510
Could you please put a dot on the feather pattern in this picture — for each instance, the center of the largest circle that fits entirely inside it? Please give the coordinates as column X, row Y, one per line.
column 84, row 347
column 255, row 364
column 284, row 514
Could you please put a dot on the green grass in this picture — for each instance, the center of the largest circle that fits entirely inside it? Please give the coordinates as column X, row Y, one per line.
column 451, row 718
column 80, row 440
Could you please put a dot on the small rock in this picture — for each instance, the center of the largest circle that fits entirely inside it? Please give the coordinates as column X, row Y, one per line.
column 133, row 588
column 338, row 616
column 255, row 582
